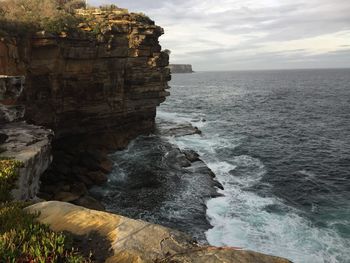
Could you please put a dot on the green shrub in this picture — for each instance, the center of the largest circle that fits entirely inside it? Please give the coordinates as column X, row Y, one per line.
column 22, row 239
column 9, row 172
column 28, row 16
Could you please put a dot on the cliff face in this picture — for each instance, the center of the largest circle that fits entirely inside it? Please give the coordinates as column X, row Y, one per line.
column 96, row 87
column 181, row 68
column 111, row 79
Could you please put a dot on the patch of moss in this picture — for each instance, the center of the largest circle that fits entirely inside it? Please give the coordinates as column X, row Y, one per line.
column 9, row 172
column 22, row 239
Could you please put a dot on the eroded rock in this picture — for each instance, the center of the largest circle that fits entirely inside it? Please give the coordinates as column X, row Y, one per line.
column 29, row 144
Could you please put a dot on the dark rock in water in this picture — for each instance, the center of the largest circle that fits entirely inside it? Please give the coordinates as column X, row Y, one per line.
column 191, row 155
column 155, row 181
column 176, row 129
column 218, row 184
column 201, row 167
column 106, row 166
column 97, row 177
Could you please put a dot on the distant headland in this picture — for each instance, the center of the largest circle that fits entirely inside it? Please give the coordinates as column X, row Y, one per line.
column 181, row 68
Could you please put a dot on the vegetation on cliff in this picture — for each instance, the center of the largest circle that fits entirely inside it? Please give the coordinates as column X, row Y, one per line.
column 26, row 16
column 9, row 170
column 23, row 239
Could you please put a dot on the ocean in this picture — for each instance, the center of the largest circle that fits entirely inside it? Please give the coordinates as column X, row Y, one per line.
column 278, row 142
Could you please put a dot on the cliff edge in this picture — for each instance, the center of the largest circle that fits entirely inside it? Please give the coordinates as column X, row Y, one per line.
column 138, row 241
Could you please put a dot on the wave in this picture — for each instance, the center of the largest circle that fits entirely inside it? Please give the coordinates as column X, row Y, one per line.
column 244, row 218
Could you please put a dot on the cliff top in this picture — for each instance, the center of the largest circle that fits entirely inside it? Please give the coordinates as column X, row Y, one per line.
column 63, row 17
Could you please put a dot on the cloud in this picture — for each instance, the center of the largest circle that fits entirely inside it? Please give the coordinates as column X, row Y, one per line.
column 244, row 34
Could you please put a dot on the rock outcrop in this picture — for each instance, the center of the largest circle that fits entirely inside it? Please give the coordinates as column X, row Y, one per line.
column 96, row 87
column 110, row 78
column 181, row 68
column 138, row 241
column 29, row 144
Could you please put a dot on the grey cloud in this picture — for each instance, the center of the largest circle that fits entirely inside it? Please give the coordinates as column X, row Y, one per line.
column 290, row 20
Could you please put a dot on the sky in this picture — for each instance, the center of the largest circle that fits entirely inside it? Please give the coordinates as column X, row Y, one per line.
column 250, row 34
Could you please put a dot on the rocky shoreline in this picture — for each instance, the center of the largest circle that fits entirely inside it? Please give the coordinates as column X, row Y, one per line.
column 67, row 101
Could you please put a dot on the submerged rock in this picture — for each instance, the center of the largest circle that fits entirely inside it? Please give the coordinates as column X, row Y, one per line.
column 167, row 128
column 135, row 241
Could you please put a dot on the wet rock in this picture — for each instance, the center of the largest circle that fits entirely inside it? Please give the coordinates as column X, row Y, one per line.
column 182, row 160
column 88, row 161
column 202, row 168
column 166, row 128
column 191, row 155
column 97, row 177
column 106, row 166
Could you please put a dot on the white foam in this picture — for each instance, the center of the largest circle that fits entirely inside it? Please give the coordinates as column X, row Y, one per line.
column 195, row 119
column 241, row 218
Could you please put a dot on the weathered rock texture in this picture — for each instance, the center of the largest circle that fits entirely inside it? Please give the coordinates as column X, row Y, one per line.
column 96, row 87
column 29, row 144
column 110, row 78
column 11, row 88
column 138, row 241
column 181, row 68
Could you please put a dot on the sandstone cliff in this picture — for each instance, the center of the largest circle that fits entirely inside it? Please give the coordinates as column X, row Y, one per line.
column 97, row 87
column 181, row 68
column 111, row 77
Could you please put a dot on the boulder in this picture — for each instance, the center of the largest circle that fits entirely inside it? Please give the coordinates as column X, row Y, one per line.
column 97, row 177
column 136, row 241
column 66, row 196
column 106, row 166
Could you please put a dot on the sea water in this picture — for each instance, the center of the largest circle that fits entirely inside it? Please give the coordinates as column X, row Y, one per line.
column 279, row 142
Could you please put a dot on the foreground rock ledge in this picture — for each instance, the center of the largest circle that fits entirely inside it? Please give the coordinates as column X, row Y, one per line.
column 138, row 241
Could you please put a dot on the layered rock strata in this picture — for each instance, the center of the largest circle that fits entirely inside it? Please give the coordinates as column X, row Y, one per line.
column 139, row 241
column 108, row 76
column 97, row 87
column 27, row 143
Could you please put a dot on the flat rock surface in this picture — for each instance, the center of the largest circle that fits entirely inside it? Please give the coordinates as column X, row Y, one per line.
column 31, row 145
column 139, row 241
column 23, row 140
